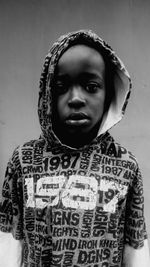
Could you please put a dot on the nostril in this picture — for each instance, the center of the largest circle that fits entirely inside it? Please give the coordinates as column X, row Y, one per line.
column 76, row 102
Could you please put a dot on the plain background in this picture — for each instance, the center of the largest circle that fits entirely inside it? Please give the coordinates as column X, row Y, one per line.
column 28, row 28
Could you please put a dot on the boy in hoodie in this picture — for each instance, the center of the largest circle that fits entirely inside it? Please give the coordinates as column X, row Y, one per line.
column 74, row 197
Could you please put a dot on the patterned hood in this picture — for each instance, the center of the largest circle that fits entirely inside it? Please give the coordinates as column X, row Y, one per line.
column 121, row 82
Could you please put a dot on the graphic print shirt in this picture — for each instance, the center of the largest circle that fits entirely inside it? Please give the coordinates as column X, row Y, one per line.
column 74, row 207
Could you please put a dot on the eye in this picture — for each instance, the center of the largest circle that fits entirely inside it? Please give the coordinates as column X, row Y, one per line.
column 61, row 88
column 93, row 87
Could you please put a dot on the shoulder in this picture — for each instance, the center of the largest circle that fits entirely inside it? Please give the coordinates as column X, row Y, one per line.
column 115, row 150
column 25, row 149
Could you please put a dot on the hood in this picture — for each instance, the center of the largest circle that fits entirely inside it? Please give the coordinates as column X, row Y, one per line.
column 121, row 82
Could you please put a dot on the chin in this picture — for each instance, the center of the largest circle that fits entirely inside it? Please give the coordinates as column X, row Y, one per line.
column 78, row 131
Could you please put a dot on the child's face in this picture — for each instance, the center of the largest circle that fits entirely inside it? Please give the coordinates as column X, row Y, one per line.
column 80, row 89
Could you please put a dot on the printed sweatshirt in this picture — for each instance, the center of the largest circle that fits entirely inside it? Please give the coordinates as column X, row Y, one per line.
column 75, row 207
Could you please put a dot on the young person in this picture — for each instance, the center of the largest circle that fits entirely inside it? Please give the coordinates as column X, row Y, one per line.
column 74, row 197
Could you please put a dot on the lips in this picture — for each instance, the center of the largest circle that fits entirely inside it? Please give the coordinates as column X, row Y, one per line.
column 77, row 116
column 77, row 119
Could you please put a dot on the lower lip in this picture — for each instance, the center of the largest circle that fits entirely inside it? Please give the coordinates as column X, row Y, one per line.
column 77, row 122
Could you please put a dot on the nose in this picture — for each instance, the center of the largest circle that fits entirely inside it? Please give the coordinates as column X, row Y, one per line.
column 76, row 99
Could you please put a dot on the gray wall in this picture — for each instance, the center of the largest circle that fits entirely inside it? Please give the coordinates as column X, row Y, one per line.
column 28, row 27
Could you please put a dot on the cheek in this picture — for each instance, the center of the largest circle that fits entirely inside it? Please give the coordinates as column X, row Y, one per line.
column 61, row 104
column 98, row 104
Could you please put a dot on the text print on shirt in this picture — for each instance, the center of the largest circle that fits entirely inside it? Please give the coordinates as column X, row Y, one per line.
column 75, row 192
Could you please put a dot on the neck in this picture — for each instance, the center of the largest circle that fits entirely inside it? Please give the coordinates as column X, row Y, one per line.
column 76, row 139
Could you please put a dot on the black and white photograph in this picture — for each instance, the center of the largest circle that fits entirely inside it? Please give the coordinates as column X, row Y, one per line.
column 74, row 133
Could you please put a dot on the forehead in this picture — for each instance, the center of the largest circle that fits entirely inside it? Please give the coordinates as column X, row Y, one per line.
column 80, row 58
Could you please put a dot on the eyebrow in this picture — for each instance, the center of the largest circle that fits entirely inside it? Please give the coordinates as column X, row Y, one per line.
column 84, row 75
